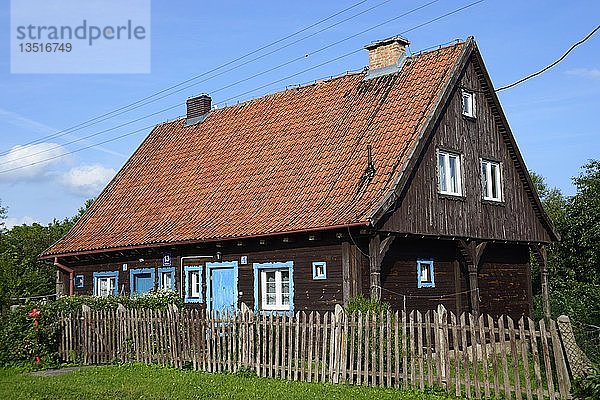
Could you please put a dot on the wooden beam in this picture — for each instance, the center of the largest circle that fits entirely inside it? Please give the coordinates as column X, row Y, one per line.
column 472, row 252
column 375, row 267
column 539, row 252
column 346, row 259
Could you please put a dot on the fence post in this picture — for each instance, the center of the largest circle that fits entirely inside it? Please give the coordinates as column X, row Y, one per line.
column 564, row 384
column 335, row 344
column 578, row 361
column 441, row 342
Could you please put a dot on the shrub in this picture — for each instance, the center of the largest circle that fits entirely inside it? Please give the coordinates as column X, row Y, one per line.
column 362, row 304
column 30, row 338
column 588, row 387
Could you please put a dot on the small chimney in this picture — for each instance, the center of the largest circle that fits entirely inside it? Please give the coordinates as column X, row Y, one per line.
column 388, row 52
column 197, row 108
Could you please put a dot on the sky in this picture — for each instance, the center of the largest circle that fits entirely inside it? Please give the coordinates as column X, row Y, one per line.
column 553, row 116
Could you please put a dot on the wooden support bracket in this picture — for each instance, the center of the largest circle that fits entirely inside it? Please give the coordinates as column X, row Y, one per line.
column 377, row 250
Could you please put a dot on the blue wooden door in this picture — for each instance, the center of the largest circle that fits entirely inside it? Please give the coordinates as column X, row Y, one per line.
column 143, row 283
column 223, row 289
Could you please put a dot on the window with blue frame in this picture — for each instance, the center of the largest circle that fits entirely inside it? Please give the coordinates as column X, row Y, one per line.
column 79, row 279
column 274, row 286
column 425, row 274
column 141, row 280
column 193, row 283
column 166, row 278
column 106, row 283
column 319, row 270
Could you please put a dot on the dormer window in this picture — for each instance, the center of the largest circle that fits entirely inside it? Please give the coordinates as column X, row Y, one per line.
column 449, row 173
column 468, row 104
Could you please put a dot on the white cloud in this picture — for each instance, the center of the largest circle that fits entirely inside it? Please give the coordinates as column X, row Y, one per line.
column 25, row 123
column 593, row 73
column 30, row 162
column 86, row 180
column 28, row 124
column 14, row 221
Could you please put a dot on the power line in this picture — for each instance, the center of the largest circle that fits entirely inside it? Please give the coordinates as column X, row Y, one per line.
column 252, row 76
column 169, row 92
column 541, row 71
column 110, row 113
column 277, row 81
column 74, row 151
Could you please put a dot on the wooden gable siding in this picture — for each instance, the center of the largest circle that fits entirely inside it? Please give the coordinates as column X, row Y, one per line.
column 422, row 210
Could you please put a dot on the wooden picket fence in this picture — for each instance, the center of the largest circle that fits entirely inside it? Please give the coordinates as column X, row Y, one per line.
column 473, row 357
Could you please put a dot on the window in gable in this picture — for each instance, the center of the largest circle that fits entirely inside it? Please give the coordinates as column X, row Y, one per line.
column 425, row 274
column 491, row 180
column 449, row 173
column 468, row 104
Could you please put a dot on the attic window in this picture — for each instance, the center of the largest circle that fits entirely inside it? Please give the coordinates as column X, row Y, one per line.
column 468, row 104
column 449, row 173
column 491, row 180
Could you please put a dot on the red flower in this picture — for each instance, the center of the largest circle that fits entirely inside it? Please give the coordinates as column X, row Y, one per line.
column 38, row 359
column 35, row 313
column 35, row 323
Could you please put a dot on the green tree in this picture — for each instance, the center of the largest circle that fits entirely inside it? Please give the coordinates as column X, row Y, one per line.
column 22, row 273
column 2, row 216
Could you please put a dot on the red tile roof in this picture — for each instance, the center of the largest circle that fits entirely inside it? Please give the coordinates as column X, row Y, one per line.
column 285, row 162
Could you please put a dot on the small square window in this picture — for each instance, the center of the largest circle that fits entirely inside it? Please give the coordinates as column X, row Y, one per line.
column 425, row 274
column 491, row 180
column 79, row 281
column 319, row 270
column 449, row 173
column 468, row 104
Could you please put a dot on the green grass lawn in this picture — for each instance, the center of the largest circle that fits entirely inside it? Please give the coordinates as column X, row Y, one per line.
column 137, row 381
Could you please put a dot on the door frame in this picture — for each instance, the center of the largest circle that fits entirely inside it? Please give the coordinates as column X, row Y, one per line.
column 210, row 266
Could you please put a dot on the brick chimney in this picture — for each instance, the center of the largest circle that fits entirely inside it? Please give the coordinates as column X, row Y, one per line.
column 387, row 52
column 197, row 108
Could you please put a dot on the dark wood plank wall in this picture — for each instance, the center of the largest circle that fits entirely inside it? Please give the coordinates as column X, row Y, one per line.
column 424, row 211
column 505, row 280
column 87, row 270
column 504, row 277
column 309, row 294
column 399, row 275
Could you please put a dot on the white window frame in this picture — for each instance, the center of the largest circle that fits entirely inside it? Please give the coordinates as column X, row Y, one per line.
column 162, row 275
column 446, row 172
column 111, row 287
column 469, row 98
column 487, row 179
column 193, row 283
column 278, row 306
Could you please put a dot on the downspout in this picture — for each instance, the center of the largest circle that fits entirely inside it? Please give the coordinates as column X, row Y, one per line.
column 70, row 271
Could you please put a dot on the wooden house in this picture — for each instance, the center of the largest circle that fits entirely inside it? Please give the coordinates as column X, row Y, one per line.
column 402, row 182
